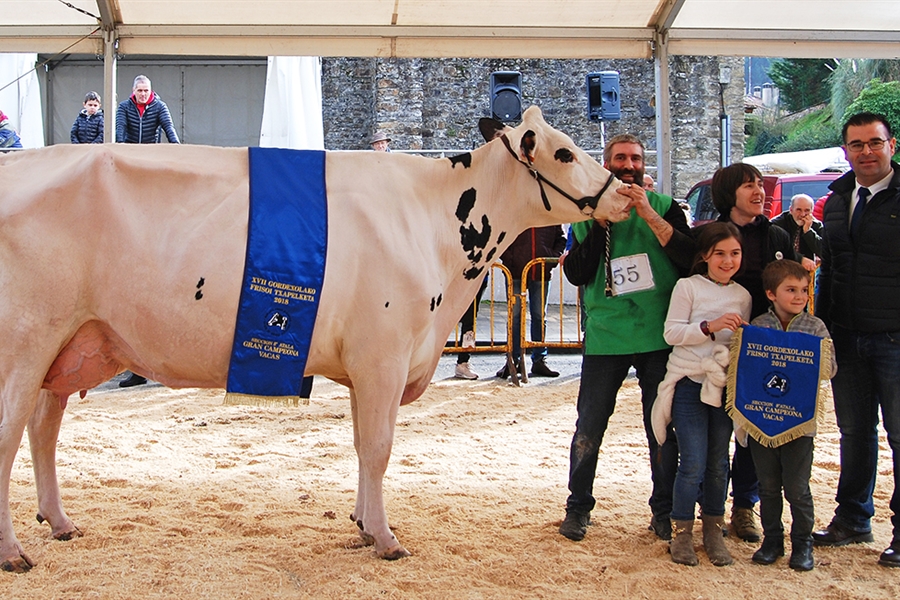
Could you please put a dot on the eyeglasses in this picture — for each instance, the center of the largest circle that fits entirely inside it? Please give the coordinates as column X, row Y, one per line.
column 874, row 145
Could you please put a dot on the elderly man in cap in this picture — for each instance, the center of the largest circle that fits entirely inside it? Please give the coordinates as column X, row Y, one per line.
column 380, row 142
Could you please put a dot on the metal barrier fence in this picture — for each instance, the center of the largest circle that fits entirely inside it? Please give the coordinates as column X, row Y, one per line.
column 562, row 322
column 497, row 311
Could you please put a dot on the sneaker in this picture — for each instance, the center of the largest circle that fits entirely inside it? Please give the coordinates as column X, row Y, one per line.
column 464, row 372
column 539, row 368
column 574, row 526
column 743, row 524
column 133, row 380
column 468, row 340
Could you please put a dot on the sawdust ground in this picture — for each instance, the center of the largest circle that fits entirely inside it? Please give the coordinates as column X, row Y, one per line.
column 179, row 496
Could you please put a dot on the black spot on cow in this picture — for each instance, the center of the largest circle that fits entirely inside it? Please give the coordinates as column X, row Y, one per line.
column 501, row 237
column 432, row 304
column 439, row 299
column 386, row 304
column 472, row 238
column 473, row 272
column 466, row 203
column 200, row 283
column 490, row 254
column 198, row 295
column 564, row 155
column 461, row 159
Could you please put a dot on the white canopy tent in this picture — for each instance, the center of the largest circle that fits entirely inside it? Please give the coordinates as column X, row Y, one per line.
column 458, row 28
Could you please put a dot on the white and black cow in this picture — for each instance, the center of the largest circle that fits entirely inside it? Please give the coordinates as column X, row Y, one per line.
column 102, row 248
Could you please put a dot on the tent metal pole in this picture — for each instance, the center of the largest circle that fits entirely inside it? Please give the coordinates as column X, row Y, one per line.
column 663, row 122
column 110, row 44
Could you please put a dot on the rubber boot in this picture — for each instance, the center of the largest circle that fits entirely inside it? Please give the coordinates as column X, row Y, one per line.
column 682, row 545
column 802, row 554
column 712, row 540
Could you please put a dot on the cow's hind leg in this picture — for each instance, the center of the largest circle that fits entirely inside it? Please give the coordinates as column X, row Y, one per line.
column 374, row 415
column 43, row 433
column 15, row 409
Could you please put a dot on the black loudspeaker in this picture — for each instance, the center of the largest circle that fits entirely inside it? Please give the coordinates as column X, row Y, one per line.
column 603, row 96
column 506, row 96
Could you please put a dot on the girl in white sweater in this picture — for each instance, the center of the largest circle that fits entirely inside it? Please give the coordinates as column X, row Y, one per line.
column 706, row 308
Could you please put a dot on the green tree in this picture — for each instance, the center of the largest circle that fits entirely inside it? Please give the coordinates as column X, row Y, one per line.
column 878, row 97
column 851, row 76
column 801, row 82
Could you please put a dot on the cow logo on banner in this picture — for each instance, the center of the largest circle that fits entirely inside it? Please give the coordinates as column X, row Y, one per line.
column 773, row 383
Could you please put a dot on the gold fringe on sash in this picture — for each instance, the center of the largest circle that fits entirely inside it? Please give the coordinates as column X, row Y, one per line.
column 235, row 399
column 825, row 351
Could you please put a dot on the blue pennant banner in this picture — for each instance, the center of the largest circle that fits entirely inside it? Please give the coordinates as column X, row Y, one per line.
column 773, row 383
column 283, row 274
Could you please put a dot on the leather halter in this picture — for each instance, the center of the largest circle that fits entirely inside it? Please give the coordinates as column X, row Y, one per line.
column 582, row 203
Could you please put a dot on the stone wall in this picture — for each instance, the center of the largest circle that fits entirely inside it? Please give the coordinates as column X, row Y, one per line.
column 436, row 103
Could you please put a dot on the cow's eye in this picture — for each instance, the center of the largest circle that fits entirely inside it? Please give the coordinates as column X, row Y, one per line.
column 564, row 155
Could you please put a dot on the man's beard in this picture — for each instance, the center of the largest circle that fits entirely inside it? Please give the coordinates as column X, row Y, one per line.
column 636, row 175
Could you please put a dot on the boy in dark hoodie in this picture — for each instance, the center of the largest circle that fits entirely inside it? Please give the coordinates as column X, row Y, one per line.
column 88, row 126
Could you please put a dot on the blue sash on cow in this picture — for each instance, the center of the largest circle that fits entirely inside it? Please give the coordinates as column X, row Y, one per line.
column 773, row 383
column 283, row 274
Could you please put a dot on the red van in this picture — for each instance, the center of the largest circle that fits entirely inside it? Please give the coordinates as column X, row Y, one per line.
column 779, row 190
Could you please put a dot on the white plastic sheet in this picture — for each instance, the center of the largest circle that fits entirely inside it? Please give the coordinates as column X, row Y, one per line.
column 292, row 111
column 806, row 161
column 20, row 99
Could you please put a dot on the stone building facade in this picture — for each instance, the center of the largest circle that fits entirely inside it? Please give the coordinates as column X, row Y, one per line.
column 429, row 104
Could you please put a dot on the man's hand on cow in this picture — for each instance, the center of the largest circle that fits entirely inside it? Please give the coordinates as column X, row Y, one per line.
column 637, row 199
column 808, row 264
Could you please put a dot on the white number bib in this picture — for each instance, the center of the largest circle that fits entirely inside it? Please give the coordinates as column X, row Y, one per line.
column 631, row 274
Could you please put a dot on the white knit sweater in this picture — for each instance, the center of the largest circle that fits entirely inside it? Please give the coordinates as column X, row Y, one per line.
column 695, row 355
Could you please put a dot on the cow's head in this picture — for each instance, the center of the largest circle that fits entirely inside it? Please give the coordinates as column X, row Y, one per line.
column 564, row 173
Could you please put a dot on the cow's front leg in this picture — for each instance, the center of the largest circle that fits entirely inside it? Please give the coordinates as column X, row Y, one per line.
column 373, row 423
column 43, row 433
column 14, row 412
column 356, row 515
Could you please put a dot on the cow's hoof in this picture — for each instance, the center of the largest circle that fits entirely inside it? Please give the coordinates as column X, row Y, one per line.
column 363, row 541
column 20, row 564
column 70, row 534
column 366, row 539
column 394, row 552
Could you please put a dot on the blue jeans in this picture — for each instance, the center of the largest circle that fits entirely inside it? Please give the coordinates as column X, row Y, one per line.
column 868, row 377
column 537, row 304
column 744, row 483
column 704, row 433
column 601, row 378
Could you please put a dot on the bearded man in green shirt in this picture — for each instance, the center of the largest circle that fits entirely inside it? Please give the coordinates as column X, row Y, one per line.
column 627, row 272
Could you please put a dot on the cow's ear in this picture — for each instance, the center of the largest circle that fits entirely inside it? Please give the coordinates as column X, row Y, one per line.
column 489, row 128
column 527, row 145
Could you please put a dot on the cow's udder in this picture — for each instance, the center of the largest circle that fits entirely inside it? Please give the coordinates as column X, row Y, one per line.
column 85, row 362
